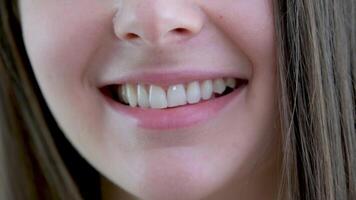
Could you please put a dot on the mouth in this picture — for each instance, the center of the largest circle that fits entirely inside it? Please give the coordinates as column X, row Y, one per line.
column 161, row 105
column 147, row 96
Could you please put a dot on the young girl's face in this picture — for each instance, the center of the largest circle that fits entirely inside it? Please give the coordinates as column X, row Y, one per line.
column 202, row 144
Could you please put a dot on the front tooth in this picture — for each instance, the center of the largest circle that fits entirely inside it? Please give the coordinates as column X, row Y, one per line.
column 131, row 95
column 157, row 97
column 219, row 86
column 193, row 92
column 176, row 95
column 231, row 82
column 206, row 89
column 142, row 96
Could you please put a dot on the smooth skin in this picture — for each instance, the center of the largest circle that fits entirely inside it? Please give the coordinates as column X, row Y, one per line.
column 75, row 45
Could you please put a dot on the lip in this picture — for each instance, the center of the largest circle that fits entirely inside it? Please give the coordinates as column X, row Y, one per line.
column 178, row 117
column 166, row 78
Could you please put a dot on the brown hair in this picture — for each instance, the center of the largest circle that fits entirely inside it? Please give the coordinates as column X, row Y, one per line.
column 317, row 80
column 316, row 64
column 31, row 165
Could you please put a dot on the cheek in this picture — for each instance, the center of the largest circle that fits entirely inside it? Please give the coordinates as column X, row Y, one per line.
column 61, row 45
column 57, row 39
column 249, row 24
column 61, row 42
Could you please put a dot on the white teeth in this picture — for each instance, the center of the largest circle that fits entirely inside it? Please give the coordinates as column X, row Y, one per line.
column 142, row 96
column 193, row 92
column 176, row 95
column 230, row 82
column 157, row 97
column 122, row 94
column 131, row 94
column 219, row 86
column 206, row 89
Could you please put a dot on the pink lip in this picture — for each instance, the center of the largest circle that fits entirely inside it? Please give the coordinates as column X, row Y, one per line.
column 171, row 77
column 179, row 117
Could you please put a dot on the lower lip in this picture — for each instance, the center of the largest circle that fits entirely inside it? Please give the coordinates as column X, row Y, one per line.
column 179, row 117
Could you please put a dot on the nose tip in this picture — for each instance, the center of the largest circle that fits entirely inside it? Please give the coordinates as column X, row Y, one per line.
column 158, row 22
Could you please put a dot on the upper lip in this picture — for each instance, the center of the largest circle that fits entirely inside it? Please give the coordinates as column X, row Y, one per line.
column 170, row 66
column 166, row 67
column 171, row 77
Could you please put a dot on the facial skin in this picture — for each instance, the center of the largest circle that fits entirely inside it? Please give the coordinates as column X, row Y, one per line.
column 75, row 45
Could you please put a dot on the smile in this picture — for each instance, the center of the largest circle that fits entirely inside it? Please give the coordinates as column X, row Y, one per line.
column 158, row 97
column 164, row 103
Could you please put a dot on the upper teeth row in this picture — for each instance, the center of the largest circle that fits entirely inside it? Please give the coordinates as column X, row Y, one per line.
column 156, row 97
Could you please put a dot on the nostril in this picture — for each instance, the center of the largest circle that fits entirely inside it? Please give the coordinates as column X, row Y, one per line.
column 181, row 31
column 131, row 36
